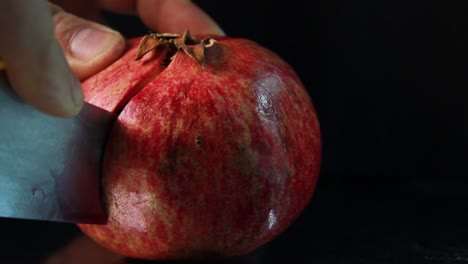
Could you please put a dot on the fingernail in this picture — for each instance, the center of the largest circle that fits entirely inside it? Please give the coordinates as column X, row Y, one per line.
column 77, row 94
column 89, row 42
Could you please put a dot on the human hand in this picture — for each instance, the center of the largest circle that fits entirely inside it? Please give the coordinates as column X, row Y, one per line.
column 36, row 65
column 84, row 250
column 158, row 15
column 47, row 50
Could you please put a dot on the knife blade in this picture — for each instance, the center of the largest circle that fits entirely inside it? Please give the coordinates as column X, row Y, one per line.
column 50, row 167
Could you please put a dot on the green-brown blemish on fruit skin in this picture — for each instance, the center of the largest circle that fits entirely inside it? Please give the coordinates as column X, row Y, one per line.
column 252, row 174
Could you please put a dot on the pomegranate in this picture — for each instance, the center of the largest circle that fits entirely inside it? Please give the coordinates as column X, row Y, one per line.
column 216, row 149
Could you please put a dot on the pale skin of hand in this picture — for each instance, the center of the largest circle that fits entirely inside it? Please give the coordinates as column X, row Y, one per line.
column 84, row 250
column 47, row 49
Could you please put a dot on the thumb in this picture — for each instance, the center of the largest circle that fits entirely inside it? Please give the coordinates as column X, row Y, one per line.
column 88, row 46
column 36, row 66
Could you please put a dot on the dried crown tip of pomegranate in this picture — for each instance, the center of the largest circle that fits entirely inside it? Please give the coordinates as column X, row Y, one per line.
column 191, row 46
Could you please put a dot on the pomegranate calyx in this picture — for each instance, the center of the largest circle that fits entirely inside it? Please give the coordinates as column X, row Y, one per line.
column 153, row 41
column 193, row 47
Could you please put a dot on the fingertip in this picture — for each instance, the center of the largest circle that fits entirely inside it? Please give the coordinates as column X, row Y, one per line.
column 92, row 49
column 52, row 89
column 77, row 97
column 89, row 47
column 69, row 104
column 177, row 16
column 36, row 66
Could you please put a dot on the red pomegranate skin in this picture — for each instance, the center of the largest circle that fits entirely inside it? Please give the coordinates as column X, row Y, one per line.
column 204, row 162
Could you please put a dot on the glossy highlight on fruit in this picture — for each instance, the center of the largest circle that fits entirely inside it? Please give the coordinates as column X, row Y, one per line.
column 203, row 161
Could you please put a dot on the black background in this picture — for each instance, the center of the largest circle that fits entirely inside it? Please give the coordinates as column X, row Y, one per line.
column 388, row 81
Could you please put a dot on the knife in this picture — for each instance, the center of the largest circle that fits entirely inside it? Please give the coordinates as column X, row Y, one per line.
column 50, row 167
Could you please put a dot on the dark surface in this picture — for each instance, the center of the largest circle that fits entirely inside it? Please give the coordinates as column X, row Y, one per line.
column 388, row 79
column 339, row 226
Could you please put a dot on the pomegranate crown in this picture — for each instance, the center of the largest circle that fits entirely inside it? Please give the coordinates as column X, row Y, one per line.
column 173, row 42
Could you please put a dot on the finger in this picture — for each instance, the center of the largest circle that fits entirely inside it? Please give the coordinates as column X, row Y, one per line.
column 128, row 7
column 176, row 16
column 88, row 46
column 36, row 66
column 88, row 9
column 84, row 250
column 167, row 15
